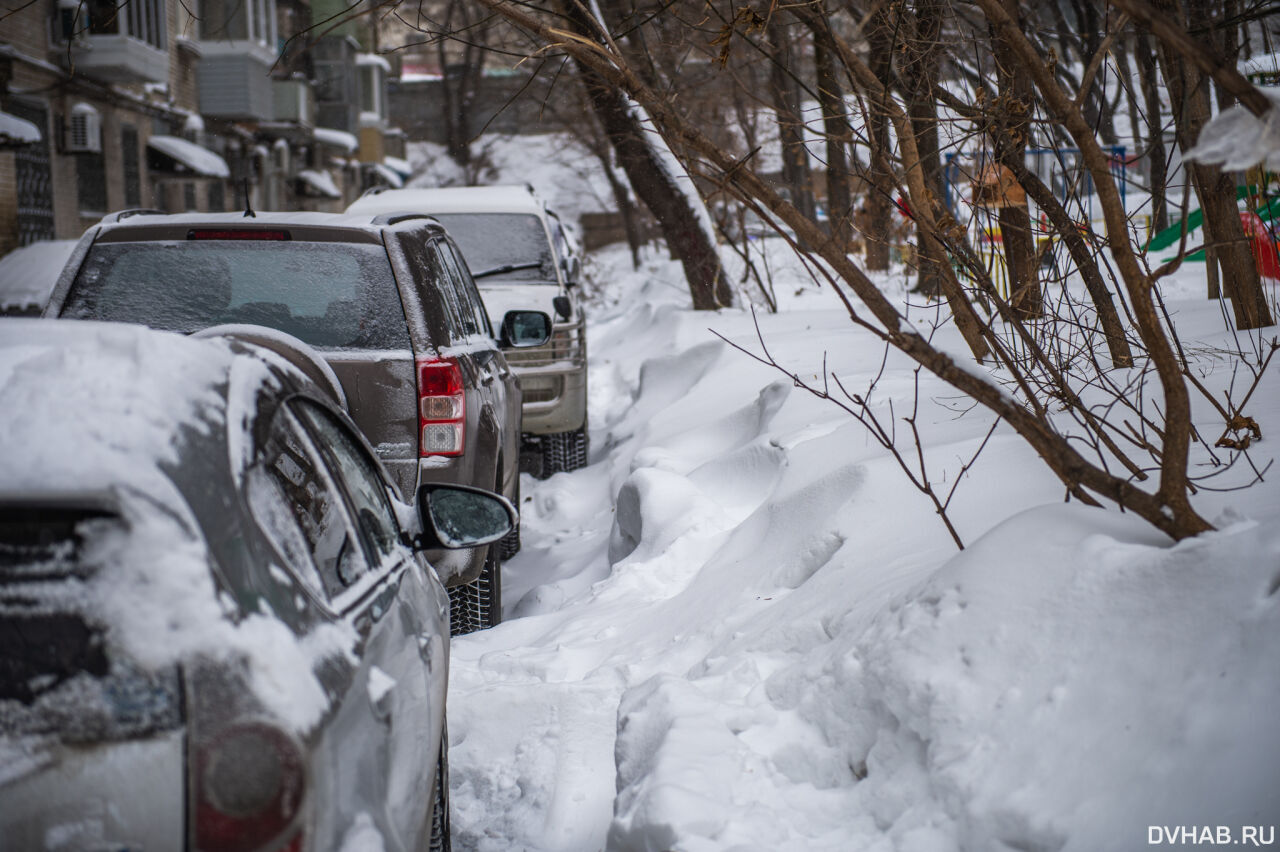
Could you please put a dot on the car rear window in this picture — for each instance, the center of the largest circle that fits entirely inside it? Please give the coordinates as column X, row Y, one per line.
column 491, row 240
column 58, row 672
column 330, row 295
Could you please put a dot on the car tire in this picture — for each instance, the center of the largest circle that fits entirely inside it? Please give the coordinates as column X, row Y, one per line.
column 564, row 451
column 510, row 543
column 509, row 546
column 441, row 829
column 478, row 605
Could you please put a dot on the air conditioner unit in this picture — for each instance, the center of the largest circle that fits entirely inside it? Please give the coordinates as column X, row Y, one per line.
column 83, row 134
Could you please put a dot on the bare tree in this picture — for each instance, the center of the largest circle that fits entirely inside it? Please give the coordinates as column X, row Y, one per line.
column 1010, row 132
column 1041, row 374
column 641, row 153
column 1187, row 67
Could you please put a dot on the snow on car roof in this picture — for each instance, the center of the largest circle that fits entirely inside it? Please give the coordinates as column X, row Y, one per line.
column 261, row 218
column 95, row 405
column 513, row 198
column 28, row 274
column 95, row 410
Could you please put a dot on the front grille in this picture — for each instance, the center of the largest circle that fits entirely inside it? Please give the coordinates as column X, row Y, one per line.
column 567, row 344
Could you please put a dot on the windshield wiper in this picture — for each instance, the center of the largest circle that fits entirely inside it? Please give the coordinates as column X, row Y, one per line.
column 509, row 267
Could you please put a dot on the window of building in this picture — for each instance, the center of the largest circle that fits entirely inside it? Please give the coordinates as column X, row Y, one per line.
column 217, row 197
column 188, row 195
column 130, row 166
column 238, row 20
column 140, row 19
column 91, row 182
column 370, row 89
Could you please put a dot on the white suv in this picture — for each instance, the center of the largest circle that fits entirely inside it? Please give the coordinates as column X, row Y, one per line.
column 521, row 257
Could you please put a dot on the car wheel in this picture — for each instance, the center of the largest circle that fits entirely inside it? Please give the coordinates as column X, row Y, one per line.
column 440, row 828
column 510, row 544
column 478, row 605
column 564, row 451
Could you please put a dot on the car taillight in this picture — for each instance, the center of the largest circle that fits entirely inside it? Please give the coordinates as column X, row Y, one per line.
column 442, row 407
column 250, row 784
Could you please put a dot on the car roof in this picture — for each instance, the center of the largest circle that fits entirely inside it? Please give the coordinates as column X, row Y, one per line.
column 309, row 225
column 100, row 407
column 513, row 198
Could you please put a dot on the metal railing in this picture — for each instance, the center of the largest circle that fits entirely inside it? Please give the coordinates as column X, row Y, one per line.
column 567, row 344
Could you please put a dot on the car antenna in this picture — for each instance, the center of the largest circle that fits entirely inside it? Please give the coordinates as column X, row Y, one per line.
column 248, row 206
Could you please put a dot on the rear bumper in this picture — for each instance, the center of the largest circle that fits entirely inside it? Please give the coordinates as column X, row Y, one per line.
column 126, row 795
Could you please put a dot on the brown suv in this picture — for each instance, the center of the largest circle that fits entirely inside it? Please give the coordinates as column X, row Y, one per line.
column 385, row 301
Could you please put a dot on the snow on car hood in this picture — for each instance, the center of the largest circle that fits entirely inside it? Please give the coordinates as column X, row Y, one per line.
column 94, row 409
column 500, row 298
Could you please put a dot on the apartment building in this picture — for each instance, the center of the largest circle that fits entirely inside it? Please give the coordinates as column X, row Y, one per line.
column 183, row 105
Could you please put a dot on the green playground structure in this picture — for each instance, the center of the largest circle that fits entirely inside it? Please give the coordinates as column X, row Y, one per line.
column 1195, row 219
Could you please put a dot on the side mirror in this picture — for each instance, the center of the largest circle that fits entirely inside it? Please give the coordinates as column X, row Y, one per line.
column 564, row 308
column 460, row 516
column 522, row 329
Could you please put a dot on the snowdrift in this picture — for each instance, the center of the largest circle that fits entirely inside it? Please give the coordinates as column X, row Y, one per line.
column 740, row 628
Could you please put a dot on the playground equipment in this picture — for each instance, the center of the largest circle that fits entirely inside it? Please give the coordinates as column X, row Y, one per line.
column 975, row 187
column 1258, row 227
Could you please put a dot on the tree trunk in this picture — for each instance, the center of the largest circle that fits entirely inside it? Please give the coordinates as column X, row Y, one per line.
column 622, row 198
column 1089, row 34
column 653, row 181
column 785, row 91
column 920, row 73
column 1157, row 157
column 1224, row 234
column 835, row 124
column 1086, row 263
column 879, row 205
column 1224, row 38
column 462, row 79
column 1012, row 131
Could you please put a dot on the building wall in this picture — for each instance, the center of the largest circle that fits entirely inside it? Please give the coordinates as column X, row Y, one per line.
column 8, row 203
column 37, row 72
column 26, row 26
column 503, row 104
column 41, row 73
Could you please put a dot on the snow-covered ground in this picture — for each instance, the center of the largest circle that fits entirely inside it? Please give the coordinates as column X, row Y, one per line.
column 740, row 628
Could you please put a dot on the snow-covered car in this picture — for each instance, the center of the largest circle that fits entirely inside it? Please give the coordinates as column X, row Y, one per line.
column 521, row 256
column 217, row 629
column 384, row 303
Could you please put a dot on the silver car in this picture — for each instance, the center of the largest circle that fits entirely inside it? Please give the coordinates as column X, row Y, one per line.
column 217, row 630
column 383, row 300
column 522, row 257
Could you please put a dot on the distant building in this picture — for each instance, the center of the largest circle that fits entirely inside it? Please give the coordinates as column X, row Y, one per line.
column 114, row 104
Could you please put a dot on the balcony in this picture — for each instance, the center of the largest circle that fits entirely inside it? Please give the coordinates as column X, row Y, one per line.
column 235, row 81
column 295, row 102
column 125, row 45
column 237, row 52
